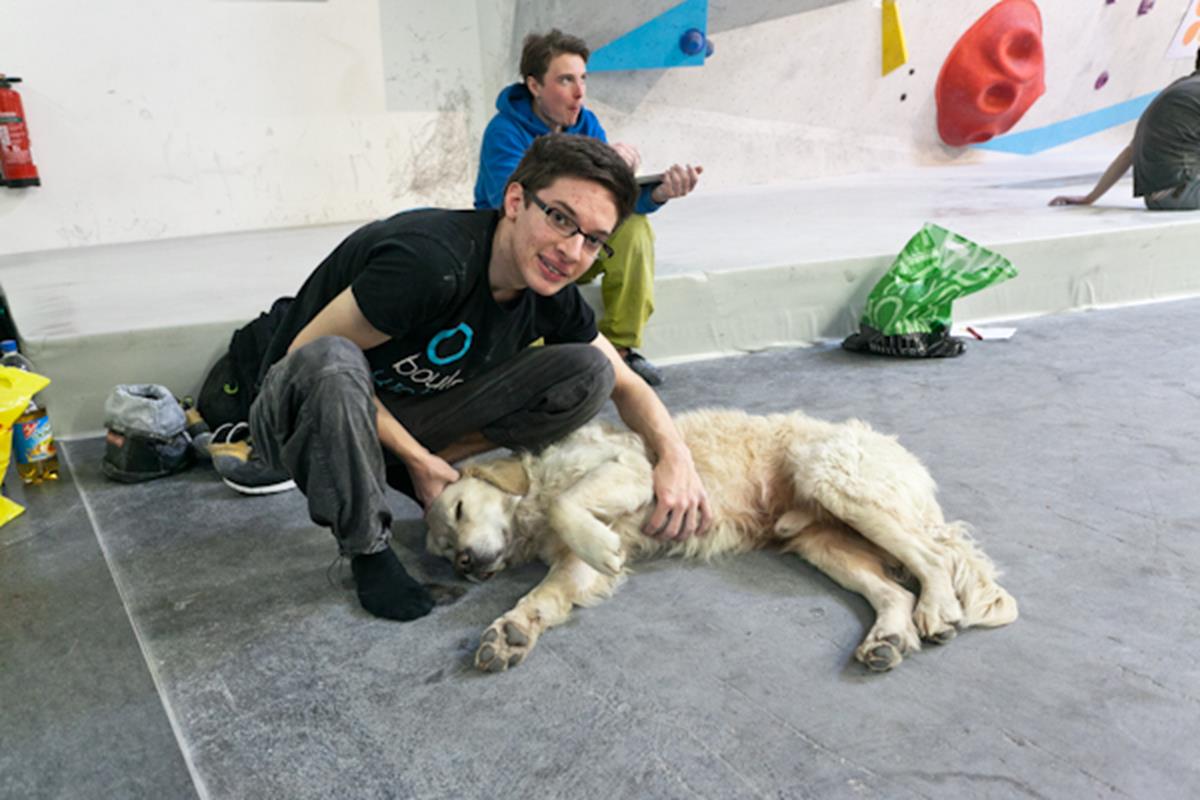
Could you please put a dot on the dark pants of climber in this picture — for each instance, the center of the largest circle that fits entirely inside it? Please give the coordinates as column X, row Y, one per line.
column 315, row 417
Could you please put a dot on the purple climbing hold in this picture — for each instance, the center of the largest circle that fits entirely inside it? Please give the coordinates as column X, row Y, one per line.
column 1103, row 79
column 1145, row 6
column 692, row 41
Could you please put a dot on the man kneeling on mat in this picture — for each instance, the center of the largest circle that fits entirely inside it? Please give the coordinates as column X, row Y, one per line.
column 408, row 350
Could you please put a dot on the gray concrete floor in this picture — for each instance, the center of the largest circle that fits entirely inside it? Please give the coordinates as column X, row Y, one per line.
column 1071, row 447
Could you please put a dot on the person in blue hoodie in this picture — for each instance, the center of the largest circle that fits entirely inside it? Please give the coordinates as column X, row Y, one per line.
column 550, row 100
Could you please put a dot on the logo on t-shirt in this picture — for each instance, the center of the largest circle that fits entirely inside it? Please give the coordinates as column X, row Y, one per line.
column 441, row 349
column 410, row 375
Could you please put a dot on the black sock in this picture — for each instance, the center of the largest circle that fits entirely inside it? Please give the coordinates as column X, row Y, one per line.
column 386, row 590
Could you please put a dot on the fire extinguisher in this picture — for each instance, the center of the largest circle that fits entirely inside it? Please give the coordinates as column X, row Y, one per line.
column 16, row 162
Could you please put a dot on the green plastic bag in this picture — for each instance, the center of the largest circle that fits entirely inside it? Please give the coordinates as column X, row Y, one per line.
column 908, row 311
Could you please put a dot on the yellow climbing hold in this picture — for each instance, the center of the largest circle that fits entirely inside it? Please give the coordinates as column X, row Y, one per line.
column 895, row 51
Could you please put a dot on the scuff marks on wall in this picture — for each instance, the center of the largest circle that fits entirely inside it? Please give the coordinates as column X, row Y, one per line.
column 441, row 155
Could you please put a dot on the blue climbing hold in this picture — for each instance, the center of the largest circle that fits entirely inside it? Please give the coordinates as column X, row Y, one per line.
column 692, row 42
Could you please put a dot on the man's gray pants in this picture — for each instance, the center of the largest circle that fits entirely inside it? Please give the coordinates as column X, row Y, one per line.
column 315, row 418
column 1181, row 198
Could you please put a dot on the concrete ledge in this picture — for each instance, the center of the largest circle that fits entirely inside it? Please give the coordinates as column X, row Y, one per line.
column 747, row 310
column 84, row 369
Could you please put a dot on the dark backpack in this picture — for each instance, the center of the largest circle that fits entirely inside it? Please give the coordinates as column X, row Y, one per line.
column 232, row 383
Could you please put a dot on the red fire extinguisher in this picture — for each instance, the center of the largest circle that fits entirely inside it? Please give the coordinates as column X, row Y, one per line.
column 16, row 162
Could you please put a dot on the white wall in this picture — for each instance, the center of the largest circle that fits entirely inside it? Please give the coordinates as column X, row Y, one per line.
column 154, row 119
column 437, row 56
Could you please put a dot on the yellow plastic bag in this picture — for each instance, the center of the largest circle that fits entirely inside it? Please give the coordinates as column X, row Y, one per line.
column 17, row 387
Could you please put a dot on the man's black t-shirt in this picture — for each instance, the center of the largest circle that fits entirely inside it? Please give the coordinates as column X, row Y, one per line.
column 421, row 277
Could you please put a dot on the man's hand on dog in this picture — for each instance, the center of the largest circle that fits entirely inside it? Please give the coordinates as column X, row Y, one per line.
column 680, row 501
column 430, row 476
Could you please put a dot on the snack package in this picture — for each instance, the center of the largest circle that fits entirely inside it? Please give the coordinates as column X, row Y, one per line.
column 17, row 388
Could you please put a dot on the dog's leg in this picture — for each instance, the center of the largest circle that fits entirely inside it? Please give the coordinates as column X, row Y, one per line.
column 861, row 567
column 938, row 611
column 880, row 490
column 609, row 491
column 510, row 639
column 984, row 601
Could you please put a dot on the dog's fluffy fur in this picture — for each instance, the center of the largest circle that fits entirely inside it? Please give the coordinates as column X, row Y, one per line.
column 851, row 501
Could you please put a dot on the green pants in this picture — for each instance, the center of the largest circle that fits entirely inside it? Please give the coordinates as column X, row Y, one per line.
column 627, row 285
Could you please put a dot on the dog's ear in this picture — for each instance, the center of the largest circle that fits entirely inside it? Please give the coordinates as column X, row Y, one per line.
column 506, row 474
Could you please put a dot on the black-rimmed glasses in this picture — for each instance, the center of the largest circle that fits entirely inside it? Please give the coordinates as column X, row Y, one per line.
column 559, row 221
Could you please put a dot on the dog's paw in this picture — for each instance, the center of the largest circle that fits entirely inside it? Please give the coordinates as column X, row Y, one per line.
column 937, row 621
column 601, row 553
column 885, row 648
column 880, row 655
column 504, row 644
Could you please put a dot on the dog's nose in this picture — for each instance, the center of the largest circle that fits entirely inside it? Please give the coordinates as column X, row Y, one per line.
column 468, row 564
column 463, row 560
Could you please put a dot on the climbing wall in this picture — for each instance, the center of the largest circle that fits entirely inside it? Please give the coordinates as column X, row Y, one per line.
column 796, row 89
column 156, row 121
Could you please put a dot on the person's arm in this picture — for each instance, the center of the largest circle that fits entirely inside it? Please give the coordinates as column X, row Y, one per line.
column 678, row 181
column 430, row 473
column 681, row 502
column 503, row 147
column 646, row 204
column 1116, row 169
column 645, row 201
column 629, row 154
column 342, row 317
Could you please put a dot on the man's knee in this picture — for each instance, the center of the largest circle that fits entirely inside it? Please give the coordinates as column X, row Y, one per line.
column 635, row 235
column 581, row 381
column 600, row 378
column 585, row 376
column 325, row 371
column 327, row 354
column 638, row 228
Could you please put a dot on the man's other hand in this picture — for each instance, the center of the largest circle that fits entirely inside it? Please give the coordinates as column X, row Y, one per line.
column 1070, row 200
column 678, row 181
column 629, row 154
column 680, row 501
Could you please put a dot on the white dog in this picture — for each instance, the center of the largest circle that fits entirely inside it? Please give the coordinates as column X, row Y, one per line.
column 851, row 501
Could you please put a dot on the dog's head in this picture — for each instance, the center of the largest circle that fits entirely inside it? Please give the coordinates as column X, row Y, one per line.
column 471, row 522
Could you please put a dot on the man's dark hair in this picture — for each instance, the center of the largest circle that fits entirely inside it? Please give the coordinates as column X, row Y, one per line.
column 540, row 49
column 565, row 155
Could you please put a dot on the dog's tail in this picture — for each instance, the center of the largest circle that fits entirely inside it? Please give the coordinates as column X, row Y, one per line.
column 985, row 603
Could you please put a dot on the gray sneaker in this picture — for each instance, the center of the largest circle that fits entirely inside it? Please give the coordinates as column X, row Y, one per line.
column 242, row 469
column 648, row 372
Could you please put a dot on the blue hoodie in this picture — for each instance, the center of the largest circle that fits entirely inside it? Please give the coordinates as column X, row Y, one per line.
column 509, row 135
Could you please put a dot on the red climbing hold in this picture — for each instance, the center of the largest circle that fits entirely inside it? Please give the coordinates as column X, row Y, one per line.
column 993, row 75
